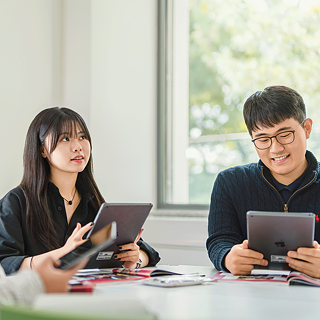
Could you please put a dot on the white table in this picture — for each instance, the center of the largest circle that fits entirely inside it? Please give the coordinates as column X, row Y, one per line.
column 215, row 300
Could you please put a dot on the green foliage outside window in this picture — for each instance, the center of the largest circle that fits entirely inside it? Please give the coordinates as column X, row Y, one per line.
column 236, row 48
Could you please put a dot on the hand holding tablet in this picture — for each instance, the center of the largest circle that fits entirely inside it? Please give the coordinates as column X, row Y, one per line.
column 271, row 235
column 274, row 234
column 130, row 218
column 102, row 239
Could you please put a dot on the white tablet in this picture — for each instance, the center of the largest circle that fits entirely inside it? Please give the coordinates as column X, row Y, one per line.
column 275, row 233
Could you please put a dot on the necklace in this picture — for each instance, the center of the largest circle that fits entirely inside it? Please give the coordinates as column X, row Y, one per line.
column 71, row 201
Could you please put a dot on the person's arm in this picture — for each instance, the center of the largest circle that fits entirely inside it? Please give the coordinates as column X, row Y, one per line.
column 224, row 230
column 24, row 286
column 13, row 231
column 131, row 256
column 152, row 256
column 75, row 240
column 240, row 260
column 306, row 260
column 55, row 279
column 138, row 250
column 21, row 287
column 12, row 244
column 226, row 244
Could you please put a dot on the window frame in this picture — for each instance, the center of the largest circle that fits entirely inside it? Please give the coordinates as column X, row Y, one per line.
column 164, row 114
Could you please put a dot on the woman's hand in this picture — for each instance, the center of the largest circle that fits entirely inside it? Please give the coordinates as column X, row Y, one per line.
column 55, row 280
column 132, row 254
column 75, row 240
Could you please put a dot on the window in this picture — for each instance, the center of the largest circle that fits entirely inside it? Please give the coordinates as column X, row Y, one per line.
column 213, row 55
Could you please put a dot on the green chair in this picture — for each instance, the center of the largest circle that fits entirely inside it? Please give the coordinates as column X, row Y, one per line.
column 23, row 313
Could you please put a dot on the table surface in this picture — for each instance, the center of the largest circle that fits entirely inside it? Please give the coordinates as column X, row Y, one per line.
column 212, row 300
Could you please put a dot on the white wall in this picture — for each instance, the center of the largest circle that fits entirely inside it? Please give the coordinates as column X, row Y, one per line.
column 99, row 58
column 124, row 98
column 26, row 78
column 76, row 56
column 178, row 240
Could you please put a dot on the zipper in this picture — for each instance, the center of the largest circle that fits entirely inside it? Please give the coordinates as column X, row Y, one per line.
column 285, row 205
column 285, row 208
column 301, row 189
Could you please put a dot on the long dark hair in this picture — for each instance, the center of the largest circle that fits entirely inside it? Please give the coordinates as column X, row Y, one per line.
column 51, row 122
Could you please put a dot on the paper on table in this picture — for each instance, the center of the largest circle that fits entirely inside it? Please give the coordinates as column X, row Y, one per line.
column 269, row 271
column 93, row 271
column 88, row 270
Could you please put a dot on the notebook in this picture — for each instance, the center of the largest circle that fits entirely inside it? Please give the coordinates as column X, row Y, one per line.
column 275, row 233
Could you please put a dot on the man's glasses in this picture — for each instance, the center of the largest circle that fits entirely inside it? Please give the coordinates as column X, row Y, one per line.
column 285, row 137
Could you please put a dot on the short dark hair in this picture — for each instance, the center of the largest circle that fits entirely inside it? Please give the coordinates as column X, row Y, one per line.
column 271, row 106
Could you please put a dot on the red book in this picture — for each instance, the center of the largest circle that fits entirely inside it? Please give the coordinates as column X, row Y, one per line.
column 88, row 288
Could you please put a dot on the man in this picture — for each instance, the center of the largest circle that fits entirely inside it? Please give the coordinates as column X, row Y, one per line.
column 285, row 179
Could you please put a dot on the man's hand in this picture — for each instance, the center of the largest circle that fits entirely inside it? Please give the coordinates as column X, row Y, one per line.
column 311, row 257
column 240, row 260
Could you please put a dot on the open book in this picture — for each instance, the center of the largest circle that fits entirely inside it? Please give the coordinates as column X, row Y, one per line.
column 145, row 272
column 119, row 275
column 102, row 277
column 294, row 277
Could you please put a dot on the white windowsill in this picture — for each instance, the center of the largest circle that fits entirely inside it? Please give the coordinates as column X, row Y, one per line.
column 176, row 213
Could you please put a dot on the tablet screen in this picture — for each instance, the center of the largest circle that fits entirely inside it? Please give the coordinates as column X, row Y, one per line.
column 100, row 240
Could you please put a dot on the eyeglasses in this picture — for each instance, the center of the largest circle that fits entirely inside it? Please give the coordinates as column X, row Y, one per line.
column 285, row 137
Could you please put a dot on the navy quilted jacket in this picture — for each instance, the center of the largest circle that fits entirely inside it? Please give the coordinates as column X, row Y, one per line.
column 243, row 188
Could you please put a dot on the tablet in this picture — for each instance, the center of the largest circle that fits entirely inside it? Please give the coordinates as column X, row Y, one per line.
column 105, row 237
column 275, row 233
column 130, row 218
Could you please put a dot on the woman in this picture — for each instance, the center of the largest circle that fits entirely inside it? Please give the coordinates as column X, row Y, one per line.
column 58, row 198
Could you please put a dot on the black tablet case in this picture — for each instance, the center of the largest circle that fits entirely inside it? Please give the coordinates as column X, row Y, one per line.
column 129, row 217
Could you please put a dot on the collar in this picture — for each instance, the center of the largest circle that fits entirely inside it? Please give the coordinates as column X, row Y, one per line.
column 85, row 196
column 80, row 213
column 292, row 187
column 306, row 177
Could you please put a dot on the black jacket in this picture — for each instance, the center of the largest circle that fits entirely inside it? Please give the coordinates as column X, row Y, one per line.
column 16, row 242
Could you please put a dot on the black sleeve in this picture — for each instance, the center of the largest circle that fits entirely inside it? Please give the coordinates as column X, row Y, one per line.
column 153, row 255
column 12, row 246
column 224, row 228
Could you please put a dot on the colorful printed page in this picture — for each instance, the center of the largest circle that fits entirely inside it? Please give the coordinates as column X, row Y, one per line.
column 224, row 276
column 103, row 278
column 301, row 278
column 145, row 272
column 294, row 277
